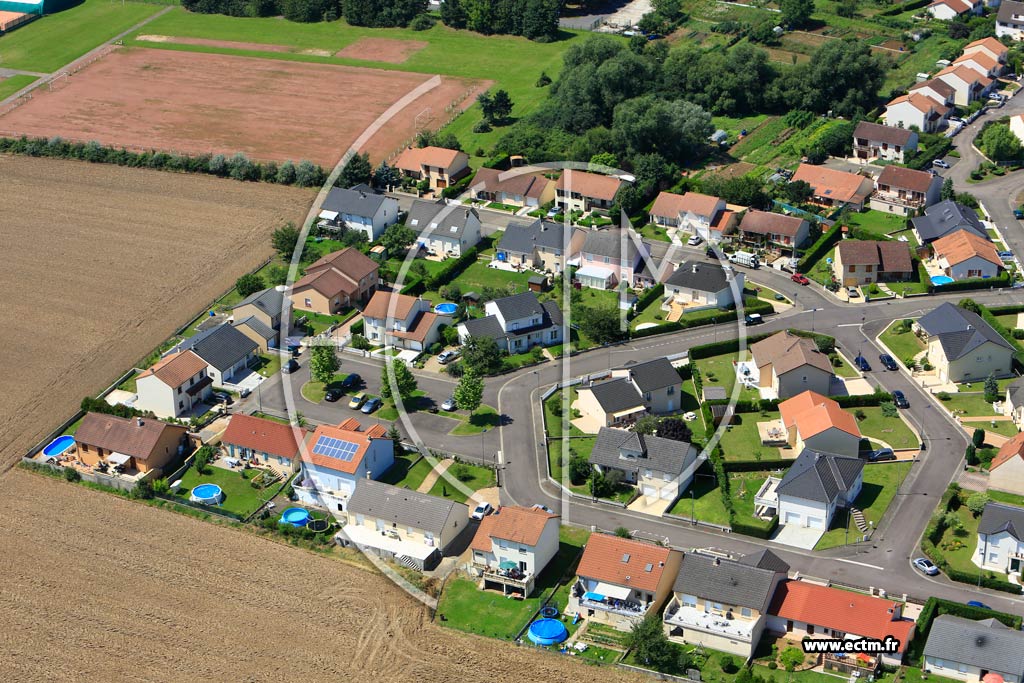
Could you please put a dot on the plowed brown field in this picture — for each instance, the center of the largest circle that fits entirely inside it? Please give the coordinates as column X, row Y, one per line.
column 97, row 588
column 100, row 264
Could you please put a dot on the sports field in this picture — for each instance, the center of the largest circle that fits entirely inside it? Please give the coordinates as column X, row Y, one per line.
column 197, row 103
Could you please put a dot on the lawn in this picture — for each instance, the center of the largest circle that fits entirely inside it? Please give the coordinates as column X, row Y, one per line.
column 478, row 275
column 129, row 384
column 556, row 459
column 740, row 440
column 880, row 483
column 239, row 495
column 892, row 430
column 720, row 371
column 318, row 323
column 903, row 345
column 409, row 471
column 844, row 369
column 315, row 391
column 269, row 364
column 959, row 546
column 878, row 223
column 482, row 419
column 49, row 43
column 971, row 404
column 472, row 477
column 553, row 414
column 654, row 232
column 13, row 84
column 702, row 501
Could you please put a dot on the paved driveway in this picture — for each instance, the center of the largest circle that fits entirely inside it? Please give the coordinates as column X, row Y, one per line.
column 798, row 536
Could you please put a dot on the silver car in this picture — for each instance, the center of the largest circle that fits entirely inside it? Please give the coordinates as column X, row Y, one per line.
column 449, row 404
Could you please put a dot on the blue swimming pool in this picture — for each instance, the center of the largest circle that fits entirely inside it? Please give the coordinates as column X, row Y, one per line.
column 207, row 494
column 547, row 632
column 295, row 516
column 446, row 309
column 941, row 279
column 59, row 445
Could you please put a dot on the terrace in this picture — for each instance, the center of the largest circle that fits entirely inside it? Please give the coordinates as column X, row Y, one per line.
column 510, row 578
column 617, row 602
column 766, row 500
column 688, row 617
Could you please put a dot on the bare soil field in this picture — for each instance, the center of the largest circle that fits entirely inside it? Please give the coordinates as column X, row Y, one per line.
column 382, row 50
column 207, row 103
column 120, row 591
column 102, row 263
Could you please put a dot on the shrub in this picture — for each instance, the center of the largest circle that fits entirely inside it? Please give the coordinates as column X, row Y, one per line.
column 773, row 665
column 482, row 126
column 943, row 396
column 976, row 503
column 978, row 437
column 623, row 532
column 361, row 343
column 461, row 472
column 889, row 409
column 860, row 415
column 422, row 22
column 72, row 475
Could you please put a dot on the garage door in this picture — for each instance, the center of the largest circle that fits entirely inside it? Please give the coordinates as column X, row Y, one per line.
column 792, row 518
column 815, row 522
column 649, row 490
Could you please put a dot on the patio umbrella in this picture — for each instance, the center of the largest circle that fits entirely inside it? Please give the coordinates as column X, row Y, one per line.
column 509, row 564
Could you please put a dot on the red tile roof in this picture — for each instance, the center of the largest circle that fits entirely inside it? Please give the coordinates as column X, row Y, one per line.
column 962, row 245
column 840, row 610
column 906, row 178
column 813, row 413
column 831, row 184
column 264, row 436
column 1014, row 448
column 176, row 369
column 136, row 437
column 339, row 272
column 766, row 223
column 380, row 305
column 589, row 184
column 346, row 431
column 413, row 158
column 512, row 523
column 623, row 562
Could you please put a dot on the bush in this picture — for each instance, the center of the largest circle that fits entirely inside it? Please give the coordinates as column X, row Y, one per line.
column 72, row 475
column 976, row 503
column 361, row 343
column 482, row 126
column 773, row 665
column 889, row 409
column 978, row 437
column 422, row 22
column 860, row 415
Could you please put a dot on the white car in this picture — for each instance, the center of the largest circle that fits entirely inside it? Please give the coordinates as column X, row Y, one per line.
column 449, row 404
column 481, row 511
column 694, row 240
column 940, row 163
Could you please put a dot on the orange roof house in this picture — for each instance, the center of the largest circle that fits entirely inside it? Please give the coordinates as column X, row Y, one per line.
column 1006, row 473
column 817, row 422
column 579, row 190
column 247, row 435
column 175, row 369
column 337, row 457
column 335, row 281
column 833, row 187
column 963, row 254
column 990, row 46
column 526, row 537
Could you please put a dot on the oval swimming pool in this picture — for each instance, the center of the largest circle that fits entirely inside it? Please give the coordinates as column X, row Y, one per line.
column 59, row 445
column 941, row 279
column 207, row 494
column 446, row 308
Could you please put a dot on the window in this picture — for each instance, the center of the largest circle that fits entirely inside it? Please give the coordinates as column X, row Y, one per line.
column 359, row 520
column 607, row 260
column 179, row 390
column 689, row 601
column 309, row 303
column 671, row 390
column 939, row 664
column 191, row 381
column 810, row 629
column 717, row 606
column 961, row 667
column 554, row 334
column 851, row 269
column 746, row 612
column 868, row 268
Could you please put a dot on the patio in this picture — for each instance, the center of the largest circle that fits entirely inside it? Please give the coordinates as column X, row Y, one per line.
column 773, row 433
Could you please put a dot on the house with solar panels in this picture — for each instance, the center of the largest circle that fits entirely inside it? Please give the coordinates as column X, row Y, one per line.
column 337, row 458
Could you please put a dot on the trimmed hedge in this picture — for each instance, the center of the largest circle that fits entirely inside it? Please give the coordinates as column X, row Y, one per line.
column 733, row 345
column 650, row 296
column 756, row 406
column 700, row 318
column 358, row 326
column 754, row 530
column 934, row 607
column 452, row 269
column 755, row 465
column 828, row 239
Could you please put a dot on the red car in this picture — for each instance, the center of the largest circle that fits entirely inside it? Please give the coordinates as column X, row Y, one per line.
column 800, row 279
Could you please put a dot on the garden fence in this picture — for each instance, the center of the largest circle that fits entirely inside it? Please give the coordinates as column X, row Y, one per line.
column 92, row 477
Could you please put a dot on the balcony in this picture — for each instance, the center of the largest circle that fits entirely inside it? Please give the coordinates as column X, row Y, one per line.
column 626, row 607
column 686, row 617
column 508, row 577
column 897, row 200
column 766, row 497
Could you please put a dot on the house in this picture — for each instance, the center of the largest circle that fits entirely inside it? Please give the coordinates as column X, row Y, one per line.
column 723, row 604
column 969, row 651
column 402, row 321
column 335, row 282
column 815, row 486
column 702, row 284
column 1014, row 403
column 619, row 581
column 804, row 609
column 441, row 167
column 981, row 63
column 512, row 546
column 1010, row 20
column 874, row 141
column 951, row 9
column 133, row 444
column 174, row 385
column 774, row 231
column 633, row 390
column 944, row 218
column 410, row 528
column 518, row 323
column 1000, row 539
column 660, row 468
column 541, row 245
column 963, row 255
column 264, row 441
column 513, row 188
column 817, row 422
column 693, row 212
column 962, row 346
column 1007, row 468
column 582, row 191
column 905, row 191
column 228, row 353
column 444, row 229
column 861, row 262
column 968, row 85
column 788, row 365
column 340, row 457
column 916, row 110
column 609, row 257
column 989, row 46
column 835, row 188
column 265, row 306
column 940, row 92
column 1017, row 126
column 264, row 337
column 360, row 209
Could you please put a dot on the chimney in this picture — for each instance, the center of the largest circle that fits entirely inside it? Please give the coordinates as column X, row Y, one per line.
column 718, row 561
column 362, row 194
column 138, row 421
column 694, row 268
column 543, row 226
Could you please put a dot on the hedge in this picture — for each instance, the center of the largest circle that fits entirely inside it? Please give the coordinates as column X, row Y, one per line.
column 650, row 296
column 754, row 530
column 1001, row 282
column 755, row 465
column 458, row 188
column 700, row 318
column 818, row 250
column 756, row 406
column 934, row 607
column 936, row 150
column 453, row 268
column 905, row 7
column 413, row 286
column 358, row 326
column 864, row 401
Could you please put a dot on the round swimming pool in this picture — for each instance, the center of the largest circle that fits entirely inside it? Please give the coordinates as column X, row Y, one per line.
column 207, row 494
column 549, row 611
column 295, row 516
column 446, row 308
column 941, row 279
column 547, row 632
column 59, row 446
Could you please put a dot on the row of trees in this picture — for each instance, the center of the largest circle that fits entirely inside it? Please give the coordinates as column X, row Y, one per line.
column 374, row 13
column 533, row 19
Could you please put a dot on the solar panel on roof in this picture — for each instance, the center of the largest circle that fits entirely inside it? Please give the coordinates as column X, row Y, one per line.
column 335, row 448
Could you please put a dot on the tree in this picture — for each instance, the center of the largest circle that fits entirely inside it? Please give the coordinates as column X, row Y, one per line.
column 674, row 429
column 969, row 305
column 404, row 380
column 308, row 174
column 394, row 434
column 250, row 283
column 847, row 8
column 604, row 159
column 469, row 392
column 202, row 459
column 386, row 176
column 952, row 521
column 481, row 355
column 579, row 469
column 791, row 658
column 356, row 171
column 382, row 13
column 947, row 189
column 496, row 108
column 976, row 503
column 453, row 14
column 797, row 192
column 958, row 30
column 978, row 437
column 647, row 425
column 651, row 646
column 323, row 363
column 971, row 455
column 1000, row 144
column 796, row 13
column 601, row 324
column 284, row 239
column 397, row 238
column 991, row 389
column 286, row 174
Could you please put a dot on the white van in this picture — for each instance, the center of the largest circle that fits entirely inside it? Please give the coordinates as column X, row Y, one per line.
column 745, row 258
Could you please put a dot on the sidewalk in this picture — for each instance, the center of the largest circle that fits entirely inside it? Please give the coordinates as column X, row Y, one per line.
column 435, row 474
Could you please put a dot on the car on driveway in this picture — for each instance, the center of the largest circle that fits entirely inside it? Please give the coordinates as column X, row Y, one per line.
column 481, row 511
column 888, row 362
column 862, row 364
column 900, row 399
column 882, row 455
column 923, row 564
column 799, row 279
column 446, row 357
column 1018, row 213
column 449, row 404
column 371, row 406
column 940, row 163
column 291, row 366
column 351, row 381
column 852, row 293
column 694, row 240
column 332, row 395
column 357, row 401
column 223, row 397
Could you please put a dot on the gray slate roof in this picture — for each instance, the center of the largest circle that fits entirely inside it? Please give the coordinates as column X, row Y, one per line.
column 662, row 455
column 616, row 394
column 820, row 477
column 726, row 581
column 765, row 559
column 356, row 201
column 610, row 243
column 699, row 275
column 960, row 331
column 985, row 644
column 223, row 346
column 999, row 517
column 518, row 306
column 1015, row 390
column 405, row 507
column 269, row 300
column 653, row 374
column 512, row 308
column 521, row 238
column 946, row 217
column 1008, row 8
column 257, row 326
column 443, row 220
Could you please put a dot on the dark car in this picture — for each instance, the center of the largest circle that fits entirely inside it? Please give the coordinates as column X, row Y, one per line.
column 332, row 395
column 350, row 381
column 710, row 253
column 1018, row 213
column 291, row 366
column 371, row 406
column 900, row 399
column 882, row 455
column 862, row 364
column 888, row 361
column 975, row 603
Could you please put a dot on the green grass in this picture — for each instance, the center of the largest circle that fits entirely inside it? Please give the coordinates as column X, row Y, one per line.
column 13, row 84
column 315, row 391
column 912, row 674
column 239, row 495
column 269, row 364
column 654, row 232
column 705, row 504
column 880, row 483
column 844, row 369
column 476, row 478
column 724, row 373
column 553, row 414
column 272, row 418
column 73, row 427
column 129, row 384
column 318, row 323
column 409, row 471
column 740, row 440
column 903, row 345
column 482, row 419
column 878, row 223
column 558, row 461
column 53, row 41
column 892, row 430
column 971, row 404
column 958, row 547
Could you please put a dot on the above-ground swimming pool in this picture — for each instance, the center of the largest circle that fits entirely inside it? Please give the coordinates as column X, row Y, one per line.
column 549, row 612
column 59, row 446
column 295, row 517
column 941, row 279
column 446, row 309
column 207, row 494
column 547, row 632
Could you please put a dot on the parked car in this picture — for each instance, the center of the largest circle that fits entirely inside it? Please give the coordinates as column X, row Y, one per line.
column 710, row 253
column 332, row 395
column 694, row 240
column 888, row 362
column 975, row 603
column 545, row 508
column 482, row 510
column 244, row 392
column 449, row 404
column 351, row 381
column 925, row 565
column 357, row 401
column 223, row 397
column 446, row 357
column 882, row 455
column 940, row 163
column 291, row 366
column 852, row 292
column 1018, row 213
column 800, row 279
column 900, row 399
column 753, row 319
column 862, row 364
column 371, row 406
